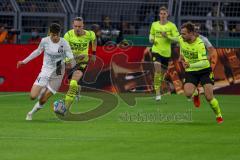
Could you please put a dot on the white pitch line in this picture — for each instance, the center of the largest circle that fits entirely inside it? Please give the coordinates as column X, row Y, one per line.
column 14, row 94
column 49, row 138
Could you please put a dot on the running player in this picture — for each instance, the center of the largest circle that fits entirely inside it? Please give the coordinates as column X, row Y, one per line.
column 55, row 49
column 162, row 33
column 79, row 40
column 197, row 67
column 212, row 56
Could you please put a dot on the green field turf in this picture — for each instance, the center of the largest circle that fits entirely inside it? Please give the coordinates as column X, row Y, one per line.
column 121, row 134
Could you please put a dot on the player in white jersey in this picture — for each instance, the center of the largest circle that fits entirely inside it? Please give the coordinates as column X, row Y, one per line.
column 55, row 50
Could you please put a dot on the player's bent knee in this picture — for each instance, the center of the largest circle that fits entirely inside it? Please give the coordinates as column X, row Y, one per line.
column 208, row 97
column 188, row 94
column 157, row 66
column 77, row 75
column 33, row 97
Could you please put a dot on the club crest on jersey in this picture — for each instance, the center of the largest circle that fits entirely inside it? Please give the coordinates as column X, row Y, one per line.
column 60, row 49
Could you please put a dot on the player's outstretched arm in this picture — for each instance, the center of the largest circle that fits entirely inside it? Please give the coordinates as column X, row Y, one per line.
column 33, row 55
column 213, row 56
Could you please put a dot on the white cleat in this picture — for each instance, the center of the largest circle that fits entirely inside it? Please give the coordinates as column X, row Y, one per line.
column 158, row 98
column 29, row 117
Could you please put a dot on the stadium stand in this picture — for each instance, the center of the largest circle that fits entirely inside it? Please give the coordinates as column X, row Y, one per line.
column 8, row 14
column 135, row 16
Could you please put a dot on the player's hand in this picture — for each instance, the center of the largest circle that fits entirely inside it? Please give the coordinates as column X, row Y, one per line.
column 19, row 64
column 186, row 64
column 164, row 34
column 80, row 57
column 68, row 66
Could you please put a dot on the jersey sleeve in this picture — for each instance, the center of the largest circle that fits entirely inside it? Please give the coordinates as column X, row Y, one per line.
column 92, row 36
column 174, row 33
column 35, row 53
column 152, row 33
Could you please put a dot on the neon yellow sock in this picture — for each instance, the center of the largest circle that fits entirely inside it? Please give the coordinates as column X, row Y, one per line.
column 157, row 82
column 215, row 106
column 72, row 92
column 195, row 93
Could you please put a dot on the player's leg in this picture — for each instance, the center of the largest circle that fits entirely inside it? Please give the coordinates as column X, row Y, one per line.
column 196, row 98
column 207, row 83
column 208, row 89
column 191, row 82
column 36, row 91
column 49, row 87
column 39, row 105
column 73, row 88
column 157, row 80
column 46, row 95
column 189, row 89
column 160, row 66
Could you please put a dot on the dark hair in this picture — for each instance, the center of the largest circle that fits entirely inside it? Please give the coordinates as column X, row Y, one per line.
column 163, row 8
column 95, row 27
column 55, row 28
column 78, row 19
column 189, row 26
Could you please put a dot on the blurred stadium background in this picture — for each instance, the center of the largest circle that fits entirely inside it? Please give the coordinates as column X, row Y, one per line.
column 150, row 130
column 129, row 22
column 137, row 15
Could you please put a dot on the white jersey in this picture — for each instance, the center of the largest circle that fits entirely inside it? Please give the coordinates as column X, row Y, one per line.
column 54, row 55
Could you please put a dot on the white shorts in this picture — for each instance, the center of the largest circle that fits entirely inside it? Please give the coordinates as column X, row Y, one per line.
column 53, row 82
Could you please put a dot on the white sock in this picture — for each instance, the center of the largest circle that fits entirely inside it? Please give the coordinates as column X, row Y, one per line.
column 36, row 107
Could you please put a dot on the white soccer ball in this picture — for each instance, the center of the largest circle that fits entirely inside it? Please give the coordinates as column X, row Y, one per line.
column 59, row 107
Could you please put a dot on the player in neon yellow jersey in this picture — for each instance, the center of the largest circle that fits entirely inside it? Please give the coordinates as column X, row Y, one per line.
column 162, row 33
column 197, row 66
column 212, row 56
column 79, row 40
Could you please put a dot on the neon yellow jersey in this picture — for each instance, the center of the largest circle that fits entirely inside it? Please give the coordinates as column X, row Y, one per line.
column 194, row 52
column 79, row 44
column 162, row 45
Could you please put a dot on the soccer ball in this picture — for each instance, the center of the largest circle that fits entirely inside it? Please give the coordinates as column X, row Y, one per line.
column 59, row 107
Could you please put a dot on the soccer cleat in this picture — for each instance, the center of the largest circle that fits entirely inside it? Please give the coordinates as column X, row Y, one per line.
column 158, row 98
column 196, row 99
column 219, row 120
column 29, row 117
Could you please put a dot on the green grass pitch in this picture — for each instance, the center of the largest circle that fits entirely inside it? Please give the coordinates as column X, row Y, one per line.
column 126, row 133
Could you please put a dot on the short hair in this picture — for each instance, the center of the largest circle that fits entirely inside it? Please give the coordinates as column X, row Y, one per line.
column 55, row 28
column 78, row 19
column 163, row 8
column 189, row 26
column 95, row 27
